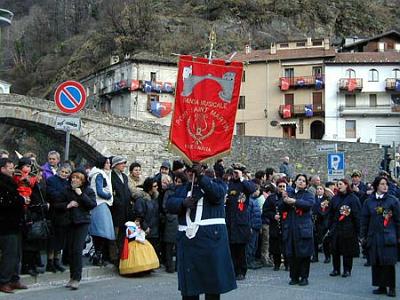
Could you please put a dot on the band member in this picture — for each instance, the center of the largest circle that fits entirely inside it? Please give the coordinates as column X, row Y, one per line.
column 320, row 220
column 203, row 255
column 380, row 232
column 297, row 230
column 272, row 213
column 344, row 228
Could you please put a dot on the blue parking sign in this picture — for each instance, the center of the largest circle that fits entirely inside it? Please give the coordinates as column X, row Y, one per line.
column 336, row 165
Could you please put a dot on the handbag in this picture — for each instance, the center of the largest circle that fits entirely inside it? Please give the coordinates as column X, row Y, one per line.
column 39, row 230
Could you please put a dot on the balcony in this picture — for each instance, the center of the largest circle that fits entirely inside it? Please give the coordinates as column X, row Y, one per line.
column 300, row 110
column 287, row 83
column 367, row 111
column 393, row 84
column 350, row 84
column 147, row 87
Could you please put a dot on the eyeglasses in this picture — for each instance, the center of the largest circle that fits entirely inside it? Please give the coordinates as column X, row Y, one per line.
column 281, row 186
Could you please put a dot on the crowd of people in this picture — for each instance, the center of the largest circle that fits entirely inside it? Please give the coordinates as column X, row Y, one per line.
column 211, row 224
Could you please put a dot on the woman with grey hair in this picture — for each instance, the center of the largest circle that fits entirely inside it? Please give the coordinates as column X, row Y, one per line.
column 56, row 185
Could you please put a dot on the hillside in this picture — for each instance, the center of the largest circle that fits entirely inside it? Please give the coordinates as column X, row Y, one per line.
column 50, row 41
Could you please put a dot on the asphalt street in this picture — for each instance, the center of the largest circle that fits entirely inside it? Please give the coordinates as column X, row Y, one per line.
column 260, row 284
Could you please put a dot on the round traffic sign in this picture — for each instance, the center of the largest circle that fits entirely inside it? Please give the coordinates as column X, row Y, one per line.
column 70, row 97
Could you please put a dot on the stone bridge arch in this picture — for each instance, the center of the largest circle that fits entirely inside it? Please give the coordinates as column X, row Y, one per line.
column 100, row 133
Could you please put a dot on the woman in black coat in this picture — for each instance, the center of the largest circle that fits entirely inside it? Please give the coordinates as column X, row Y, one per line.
column 297, row 230
column 380, row 232
column 344, row 228
column 78, row 200
column 146, row 211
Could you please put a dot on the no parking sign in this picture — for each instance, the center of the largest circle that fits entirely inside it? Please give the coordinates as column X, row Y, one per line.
column 70, row 97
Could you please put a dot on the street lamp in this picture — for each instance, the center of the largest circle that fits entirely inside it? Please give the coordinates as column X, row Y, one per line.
column 6, row 17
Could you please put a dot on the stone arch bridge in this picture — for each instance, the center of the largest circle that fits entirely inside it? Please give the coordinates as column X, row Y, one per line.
column 100, row 133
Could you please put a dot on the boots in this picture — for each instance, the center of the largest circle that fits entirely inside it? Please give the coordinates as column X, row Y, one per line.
column 97, row 259
column 50, row 266
column 58, row 266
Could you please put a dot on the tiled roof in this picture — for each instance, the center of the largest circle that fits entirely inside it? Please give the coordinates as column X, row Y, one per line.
column 366, row 57
column 265, row 55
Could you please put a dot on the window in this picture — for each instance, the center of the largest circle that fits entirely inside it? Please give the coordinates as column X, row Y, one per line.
column 244, row 76
column 301, row 126
column 150, row 98
column 240, row 128
column 372, row 100
column 396, row 73
column 350, row 73
column 300, row 44
column 153, row 76
column 397, row 46
column 242, row 102
column 289, row 72
column 317, row 101
column 289, row 99
column 350, row 129
column 284, row 45
column 122, row 76
column 317, row 43
column 381, row 46
column 373, row 75
column 350, row 100
column 317, row 71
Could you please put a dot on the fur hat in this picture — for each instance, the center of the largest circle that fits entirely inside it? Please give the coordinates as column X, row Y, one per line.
column 116, row 160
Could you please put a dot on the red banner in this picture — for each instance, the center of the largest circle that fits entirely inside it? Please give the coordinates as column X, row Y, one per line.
column 284, row 84
column 352, row 85
column 287, row 111
column 206, row 102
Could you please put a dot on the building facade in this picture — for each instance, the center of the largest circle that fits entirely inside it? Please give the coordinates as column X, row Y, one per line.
column 282, row 91
column 363, row 92
column 4, row 87
column 138, row 88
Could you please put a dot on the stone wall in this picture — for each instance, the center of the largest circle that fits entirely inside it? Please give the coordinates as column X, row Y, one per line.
column 258, row 153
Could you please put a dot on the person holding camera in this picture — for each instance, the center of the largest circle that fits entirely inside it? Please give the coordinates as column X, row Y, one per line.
column 203, row 255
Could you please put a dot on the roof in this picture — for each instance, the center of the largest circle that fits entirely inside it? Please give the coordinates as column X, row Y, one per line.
column 5, row 82
column 366, row 41
column 366, row 58
column 287, row 54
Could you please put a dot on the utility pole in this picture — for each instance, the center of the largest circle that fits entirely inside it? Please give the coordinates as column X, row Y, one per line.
column 213, row 39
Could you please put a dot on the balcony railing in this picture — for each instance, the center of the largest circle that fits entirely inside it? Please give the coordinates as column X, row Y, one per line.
column 351, row 84
column 123, row 86
column 300, row 110
column 286, row 83
column 393, row 84
column 379, row 110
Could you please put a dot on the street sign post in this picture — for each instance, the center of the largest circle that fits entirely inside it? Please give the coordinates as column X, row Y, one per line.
column 336, row 166
column 68, row 123
column 70, row 98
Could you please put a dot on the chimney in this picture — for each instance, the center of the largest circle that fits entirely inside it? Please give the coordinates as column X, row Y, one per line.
column 273, row 48
column 309, row 42
column 248, row 49
column 326, row 44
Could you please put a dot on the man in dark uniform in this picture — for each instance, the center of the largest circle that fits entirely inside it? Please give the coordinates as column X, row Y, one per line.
column 11, row 216
column 203, row 256
column 238, row 218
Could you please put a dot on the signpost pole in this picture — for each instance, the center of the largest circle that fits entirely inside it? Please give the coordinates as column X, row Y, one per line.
column 67, row 142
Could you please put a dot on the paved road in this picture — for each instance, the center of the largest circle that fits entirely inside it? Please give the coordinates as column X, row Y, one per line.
column 260, row 284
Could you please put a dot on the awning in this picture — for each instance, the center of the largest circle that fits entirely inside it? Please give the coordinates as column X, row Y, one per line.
column 290, row 123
